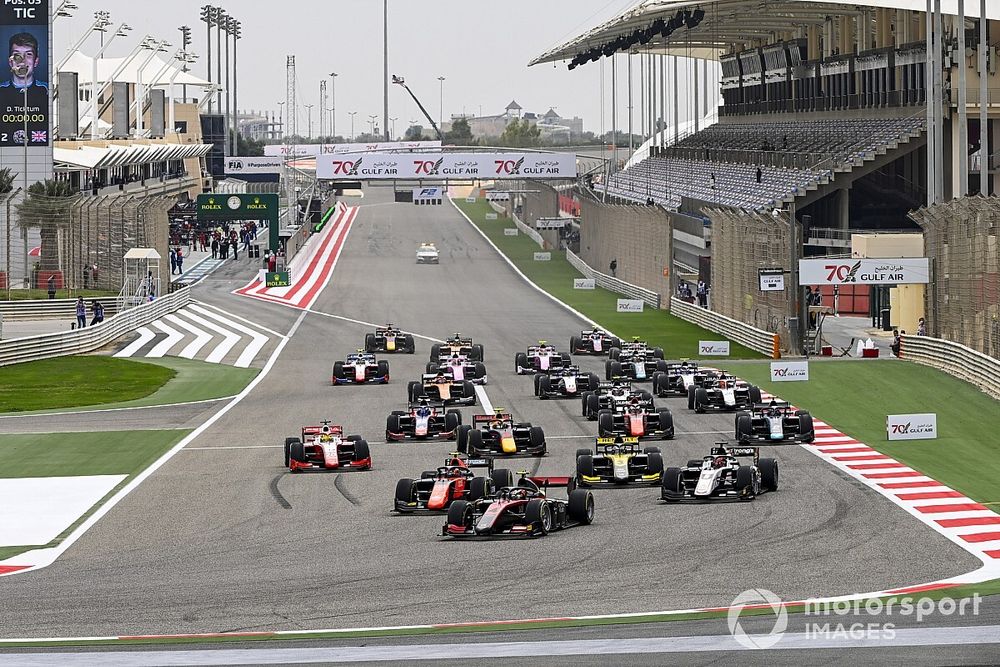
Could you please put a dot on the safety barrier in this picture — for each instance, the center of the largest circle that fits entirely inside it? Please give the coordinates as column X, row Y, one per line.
column 963, row 362
column 765, row 342
column 34, row 348
column 527, row 231
column 615, row 285
column 52, row 309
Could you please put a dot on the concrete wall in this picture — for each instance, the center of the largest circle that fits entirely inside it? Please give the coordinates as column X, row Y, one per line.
column 639, row 237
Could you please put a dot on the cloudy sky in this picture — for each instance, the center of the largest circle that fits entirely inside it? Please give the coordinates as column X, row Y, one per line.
column 482, row 48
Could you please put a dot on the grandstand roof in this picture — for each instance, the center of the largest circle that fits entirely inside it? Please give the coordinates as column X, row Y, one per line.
column 93, row 157
column 83, row 65
column 731, row 21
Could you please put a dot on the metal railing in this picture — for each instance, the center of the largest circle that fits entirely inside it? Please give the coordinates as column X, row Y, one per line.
column 765, row 342
column 524, row 229
column 615, row 285
column 51, row 309
column 80, row 341
column 958, row 360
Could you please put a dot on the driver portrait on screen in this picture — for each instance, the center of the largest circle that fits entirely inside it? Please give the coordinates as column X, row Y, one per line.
column 22, row 60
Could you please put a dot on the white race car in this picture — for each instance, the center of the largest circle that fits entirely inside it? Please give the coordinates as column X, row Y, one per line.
column 427, row 253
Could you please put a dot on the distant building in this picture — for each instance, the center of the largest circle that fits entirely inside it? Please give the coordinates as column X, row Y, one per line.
column 550, row 124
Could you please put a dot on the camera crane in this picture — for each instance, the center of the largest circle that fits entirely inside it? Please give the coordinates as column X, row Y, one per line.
column 398, row 80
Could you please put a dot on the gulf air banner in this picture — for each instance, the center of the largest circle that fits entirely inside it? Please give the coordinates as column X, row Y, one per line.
column 460, row 166
column 312, row 150
column 891, row 271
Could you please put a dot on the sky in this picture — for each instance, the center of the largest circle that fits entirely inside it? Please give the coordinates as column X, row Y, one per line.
column 481, row 48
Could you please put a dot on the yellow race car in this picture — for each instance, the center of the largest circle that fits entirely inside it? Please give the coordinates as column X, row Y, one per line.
column 619, row 460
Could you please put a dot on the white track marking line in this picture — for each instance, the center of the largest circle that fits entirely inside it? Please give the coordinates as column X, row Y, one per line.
column 241, row 319
column 222, row 349
column 251, row 350
column 137, row 407
column 145, row 335
column 201, row 338
column 339, row 243
column 40, row 558
column 173, row 337
column 484, row 400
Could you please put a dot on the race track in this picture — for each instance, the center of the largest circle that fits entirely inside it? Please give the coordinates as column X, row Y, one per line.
column 222, row 538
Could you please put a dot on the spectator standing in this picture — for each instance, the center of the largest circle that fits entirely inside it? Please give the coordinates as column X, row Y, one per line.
column 81, row 313
column 272, row 262
column 173, row 261
column 760, row 175
column 236, row 246
column 52, row 286
column 180, row 261
column 921, row 327
column 98, row 309
column 896, row 342
column 711, row 180
column 215, row 247
column 702, row 294
column 613, row 266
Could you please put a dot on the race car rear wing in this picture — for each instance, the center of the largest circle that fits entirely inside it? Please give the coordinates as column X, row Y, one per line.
column 428, row 378
column 626, row 441
column 484, row 419
column 784, row 405
column 722, row 449
column 546, row 482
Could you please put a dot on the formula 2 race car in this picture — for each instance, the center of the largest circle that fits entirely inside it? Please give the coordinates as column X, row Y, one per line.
column 360, row 368
column 427, row 253
column 462, row 368
column 638, row 418
column 677, row 378
column 724, row 392
column 566, row 382
column 619, row 460
column 634, row 366
column 774, row 422
column 325, row 448
column 594, row 341
column 437, row 489
column 541, row 358
column 721, row 476
column 442, row 388
column 635, row 348
column 611, row 396
column 499, row 435
column 389, row 339
column 463, row 347
column 524, row 510
column 422, row 421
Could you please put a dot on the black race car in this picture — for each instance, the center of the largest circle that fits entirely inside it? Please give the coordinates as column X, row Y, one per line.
column 635, row 348
column 568, row 382
column 638, row 419
column 456, row 480
column 610, row 396
column 677, row 378
column 721, row 476
column 423, row 420
column 443, row 388
column 774, row 422
column 594, row 341
column 638, row 367
column 618, row 460
column 389, row 339
column 457, row 344
column 499, row 435
column 723, row 392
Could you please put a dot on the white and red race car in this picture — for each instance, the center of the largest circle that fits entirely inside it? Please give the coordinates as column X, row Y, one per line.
column 594, row 341
column 325, row 448
column 360, row 368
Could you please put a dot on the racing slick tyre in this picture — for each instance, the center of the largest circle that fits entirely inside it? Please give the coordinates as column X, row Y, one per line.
column 605, row 423
column 755, row 395
column 338, row 370
column 615, row 342
column 672, row 483
column 413, row 390
column 480, row 370
column 583, row 451
column 806, row 431
column 615, row 351
column 694, row 463
column 460, row 514
column 654, row 464
column 469, row 391
column 581, row 506
column 520, row 361
column 646, row 396
column 369, row 342
column 502, row 478
column 361, row 452
column 404, row 491
column 593, row 381
column 538, row 514
column 463, row 438
column 543, row 385
column 409, row 345
column 574, row 344
column 657, row 352
column 391, row 425
column 428, row 474
column 612, row 369
column 431, row 367
column 593, row 406
column 661, row 366
column 435, row 351
column 659, row 383
column 651, row 450
column 479, row 487
column 584, row 467
column 288, row 443
column 473, row 442
column 477, row 353
column 383, row 370
column 744, row 428
column 398, row 412
column 583, row 402
column 691, row 391
column 452, row 420
column 536, row 438
column 353, row 438
column 297, row 451
column 700, row 399
column 768, row 474
column 666, row 422
column 746, row 481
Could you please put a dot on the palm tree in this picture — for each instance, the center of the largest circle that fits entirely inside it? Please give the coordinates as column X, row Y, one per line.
column 46, row 207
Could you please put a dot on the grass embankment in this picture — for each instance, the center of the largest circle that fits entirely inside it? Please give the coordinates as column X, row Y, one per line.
column 856, row 396
column 677, row 337
column 79, row 454
column 68, row 383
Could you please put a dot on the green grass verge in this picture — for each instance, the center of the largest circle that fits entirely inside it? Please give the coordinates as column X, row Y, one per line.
column 191, row 381
column 78, row 454
column 41, row 294
column 75, row 381
column 856, row 396
column 677, row 337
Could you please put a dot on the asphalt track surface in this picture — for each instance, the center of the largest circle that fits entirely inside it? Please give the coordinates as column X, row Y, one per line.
column 221, row 538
